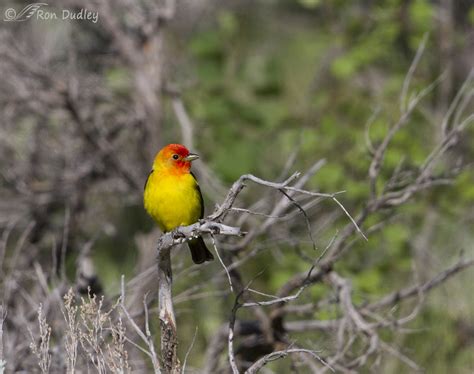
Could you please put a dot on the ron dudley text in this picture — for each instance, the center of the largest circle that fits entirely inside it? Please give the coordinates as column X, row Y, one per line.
column 66, row 14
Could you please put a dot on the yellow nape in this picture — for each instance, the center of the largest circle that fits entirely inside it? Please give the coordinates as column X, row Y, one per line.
column 172, row 200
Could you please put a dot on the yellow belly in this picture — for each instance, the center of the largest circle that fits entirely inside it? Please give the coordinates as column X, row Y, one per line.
column 172, row 200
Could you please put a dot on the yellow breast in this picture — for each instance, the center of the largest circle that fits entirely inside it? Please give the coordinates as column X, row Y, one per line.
column 172, row 200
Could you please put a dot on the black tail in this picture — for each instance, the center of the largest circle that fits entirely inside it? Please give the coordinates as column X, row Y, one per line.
column 199, row 251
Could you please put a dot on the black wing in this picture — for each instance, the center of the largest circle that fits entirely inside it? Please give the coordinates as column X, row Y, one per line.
column 147, row 179
column 201, row 215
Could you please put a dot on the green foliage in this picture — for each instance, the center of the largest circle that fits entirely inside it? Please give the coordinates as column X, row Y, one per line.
column 118, row 79
column 306, row 76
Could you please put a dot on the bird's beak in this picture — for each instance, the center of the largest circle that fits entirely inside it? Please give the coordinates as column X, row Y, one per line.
column 191, row 157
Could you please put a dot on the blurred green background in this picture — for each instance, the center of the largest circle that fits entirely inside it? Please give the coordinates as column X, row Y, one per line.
column 266, row 79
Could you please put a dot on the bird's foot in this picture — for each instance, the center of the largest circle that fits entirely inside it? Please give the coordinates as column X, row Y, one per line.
column 215, row 230
column 176, row 234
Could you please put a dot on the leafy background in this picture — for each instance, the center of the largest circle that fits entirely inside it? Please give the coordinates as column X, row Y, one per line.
column 275, row 77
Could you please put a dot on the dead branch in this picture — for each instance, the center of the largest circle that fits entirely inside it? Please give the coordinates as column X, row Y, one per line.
column 257, row 366
column 146, row 336
column 411, row 291
column 169, row 335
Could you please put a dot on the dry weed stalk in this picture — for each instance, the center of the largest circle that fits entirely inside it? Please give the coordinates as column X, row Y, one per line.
column 101, row 337
column 91, row 334
column 41, row 349
column 71, row 338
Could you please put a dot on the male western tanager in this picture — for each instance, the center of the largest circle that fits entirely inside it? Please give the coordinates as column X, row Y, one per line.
column 172, row 195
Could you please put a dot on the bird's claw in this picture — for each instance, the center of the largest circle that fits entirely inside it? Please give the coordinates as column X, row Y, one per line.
column 215, row 230
column 176, row 234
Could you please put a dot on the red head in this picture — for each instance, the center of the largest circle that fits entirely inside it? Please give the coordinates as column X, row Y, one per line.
column 175, row 158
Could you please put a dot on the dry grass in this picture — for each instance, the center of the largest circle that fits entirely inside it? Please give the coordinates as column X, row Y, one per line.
column 90, row 334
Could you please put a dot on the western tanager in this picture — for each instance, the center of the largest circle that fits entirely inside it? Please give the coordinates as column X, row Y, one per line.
column 172, row 195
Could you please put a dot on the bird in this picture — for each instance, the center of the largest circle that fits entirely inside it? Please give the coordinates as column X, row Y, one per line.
column 172, row 196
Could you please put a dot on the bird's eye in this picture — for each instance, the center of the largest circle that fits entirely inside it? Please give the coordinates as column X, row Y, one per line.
column 175, row 156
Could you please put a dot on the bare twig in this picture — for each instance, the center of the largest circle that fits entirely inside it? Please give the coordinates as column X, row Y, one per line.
column 146, row 337
column 230, row 338
column 189, row 351
column 411, row 71
column 3, row 315
column 411, row 291
column 213, row 239
column 257, row 366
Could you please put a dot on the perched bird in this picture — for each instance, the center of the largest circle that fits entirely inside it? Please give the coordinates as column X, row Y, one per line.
column 172, row 195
